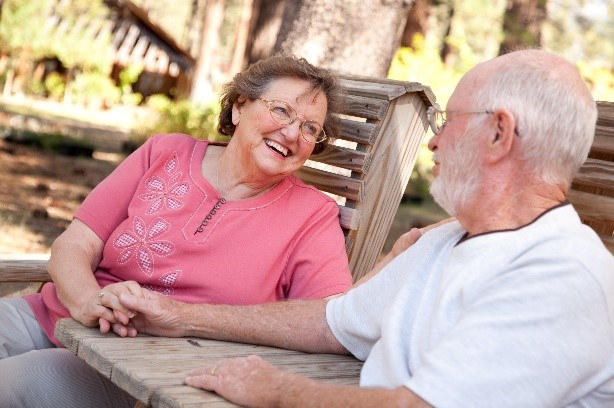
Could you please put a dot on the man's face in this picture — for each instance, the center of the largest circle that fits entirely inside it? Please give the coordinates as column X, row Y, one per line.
column 459, row 173
column 456, row 153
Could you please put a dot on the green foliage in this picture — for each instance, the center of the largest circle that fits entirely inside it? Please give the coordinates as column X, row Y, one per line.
column 199, row 121
column 599, row 79
column 423, row 65
column 35, row 87
column 55, row 142
column 55, row 86
column 22, row 27
column 127, row 77
column 74, row 47
column 89, row 87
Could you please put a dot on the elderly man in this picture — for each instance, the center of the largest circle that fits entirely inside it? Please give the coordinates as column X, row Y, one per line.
column 512, row 305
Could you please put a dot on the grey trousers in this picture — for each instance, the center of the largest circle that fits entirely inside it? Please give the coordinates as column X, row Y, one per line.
column 35, row 373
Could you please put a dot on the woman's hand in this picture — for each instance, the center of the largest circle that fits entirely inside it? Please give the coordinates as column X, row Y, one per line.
column 109, row 298
column 91, row 310
column 102, row 306
column 401, row 244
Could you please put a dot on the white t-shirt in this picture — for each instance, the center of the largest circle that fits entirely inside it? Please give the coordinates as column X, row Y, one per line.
column 518, row 318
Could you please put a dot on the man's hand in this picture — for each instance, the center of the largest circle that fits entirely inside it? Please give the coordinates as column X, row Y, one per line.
column 156, row 314
column 252, row 382
column 245, row 381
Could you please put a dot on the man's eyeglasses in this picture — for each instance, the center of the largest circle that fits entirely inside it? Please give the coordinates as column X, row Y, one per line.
column 437, row 118
column 284, row 114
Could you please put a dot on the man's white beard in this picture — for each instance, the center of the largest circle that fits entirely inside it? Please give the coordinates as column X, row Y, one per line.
column 459, row 175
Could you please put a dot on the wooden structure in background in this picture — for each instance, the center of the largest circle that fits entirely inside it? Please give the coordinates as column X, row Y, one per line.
column 135, row 39
column 592, row 192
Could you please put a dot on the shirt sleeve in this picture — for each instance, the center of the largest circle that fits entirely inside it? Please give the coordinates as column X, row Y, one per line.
column 319, row 264
column 534, row 337
column 107, row 204
column 356, row 317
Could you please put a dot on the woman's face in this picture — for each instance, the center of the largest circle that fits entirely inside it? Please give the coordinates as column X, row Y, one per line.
column 268, row 149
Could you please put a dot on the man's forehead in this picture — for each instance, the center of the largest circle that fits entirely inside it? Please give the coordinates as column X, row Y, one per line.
column 466, row 87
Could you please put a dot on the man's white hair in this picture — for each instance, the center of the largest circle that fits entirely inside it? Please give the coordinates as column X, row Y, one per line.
column 554, row 111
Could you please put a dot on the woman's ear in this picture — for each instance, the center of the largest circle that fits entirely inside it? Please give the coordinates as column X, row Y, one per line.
column 236, row 109
column 500, row 143
column 236, row 113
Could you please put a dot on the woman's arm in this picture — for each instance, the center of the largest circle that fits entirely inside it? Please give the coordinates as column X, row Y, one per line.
column 74, row 257
column 75, row 254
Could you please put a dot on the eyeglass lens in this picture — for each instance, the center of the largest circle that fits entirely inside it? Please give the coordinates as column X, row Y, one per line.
column 436, row 119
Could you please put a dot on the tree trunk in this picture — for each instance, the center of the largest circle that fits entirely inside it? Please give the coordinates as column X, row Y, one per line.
column 417, row 22
column 449, row 53
column 243, row 27
column 264, row 27
column 201, row 86
column 193, row 32
column 522, row 24
column 352, row 36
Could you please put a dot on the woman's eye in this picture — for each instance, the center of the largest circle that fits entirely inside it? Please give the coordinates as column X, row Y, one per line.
column 280, row 110
column 311, row 129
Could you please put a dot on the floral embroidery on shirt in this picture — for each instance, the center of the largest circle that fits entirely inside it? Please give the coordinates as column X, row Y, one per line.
column 142, row 243
column 167, row 281
column 166, row 193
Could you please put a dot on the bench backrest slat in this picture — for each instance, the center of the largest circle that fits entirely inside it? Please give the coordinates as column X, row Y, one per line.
column 592, row 190
column 383, row 123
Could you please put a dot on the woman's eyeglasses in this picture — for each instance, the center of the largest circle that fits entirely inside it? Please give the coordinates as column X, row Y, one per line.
column 284, row 114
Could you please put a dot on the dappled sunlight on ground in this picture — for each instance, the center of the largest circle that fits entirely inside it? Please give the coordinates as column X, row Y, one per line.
column 39, row 193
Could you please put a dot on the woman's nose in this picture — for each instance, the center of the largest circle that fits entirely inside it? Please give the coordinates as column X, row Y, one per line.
column 292, row 131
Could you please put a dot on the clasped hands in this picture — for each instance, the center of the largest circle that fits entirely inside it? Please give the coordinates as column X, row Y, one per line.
column 127, row 309
column 102, row 307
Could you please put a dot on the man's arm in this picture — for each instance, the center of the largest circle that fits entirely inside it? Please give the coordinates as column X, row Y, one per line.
column 252, row 382
column 295, row 325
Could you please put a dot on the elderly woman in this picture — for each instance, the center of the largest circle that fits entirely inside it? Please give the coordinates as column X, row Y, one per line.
column 193, row 220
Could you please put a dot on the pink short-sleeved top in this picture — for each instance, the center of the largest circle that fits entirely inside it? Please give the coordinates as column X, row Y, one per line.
column 164, row 226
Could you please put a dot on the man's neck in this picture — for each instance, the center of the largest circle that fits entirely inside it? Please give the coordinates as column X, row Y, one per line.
column 506, row 210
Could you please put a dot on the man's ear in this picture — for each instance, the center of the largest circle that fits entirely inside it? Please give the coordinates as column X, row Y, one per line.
column 500, row 143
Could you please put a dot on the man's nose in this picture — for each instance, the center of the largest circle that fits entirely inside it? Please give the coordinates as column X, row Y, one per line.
column 432, row 145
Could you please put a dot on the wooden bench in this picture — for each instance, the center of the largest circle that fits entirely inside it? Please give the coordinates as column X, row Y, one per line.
column 367, row 169
column 592, row 191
